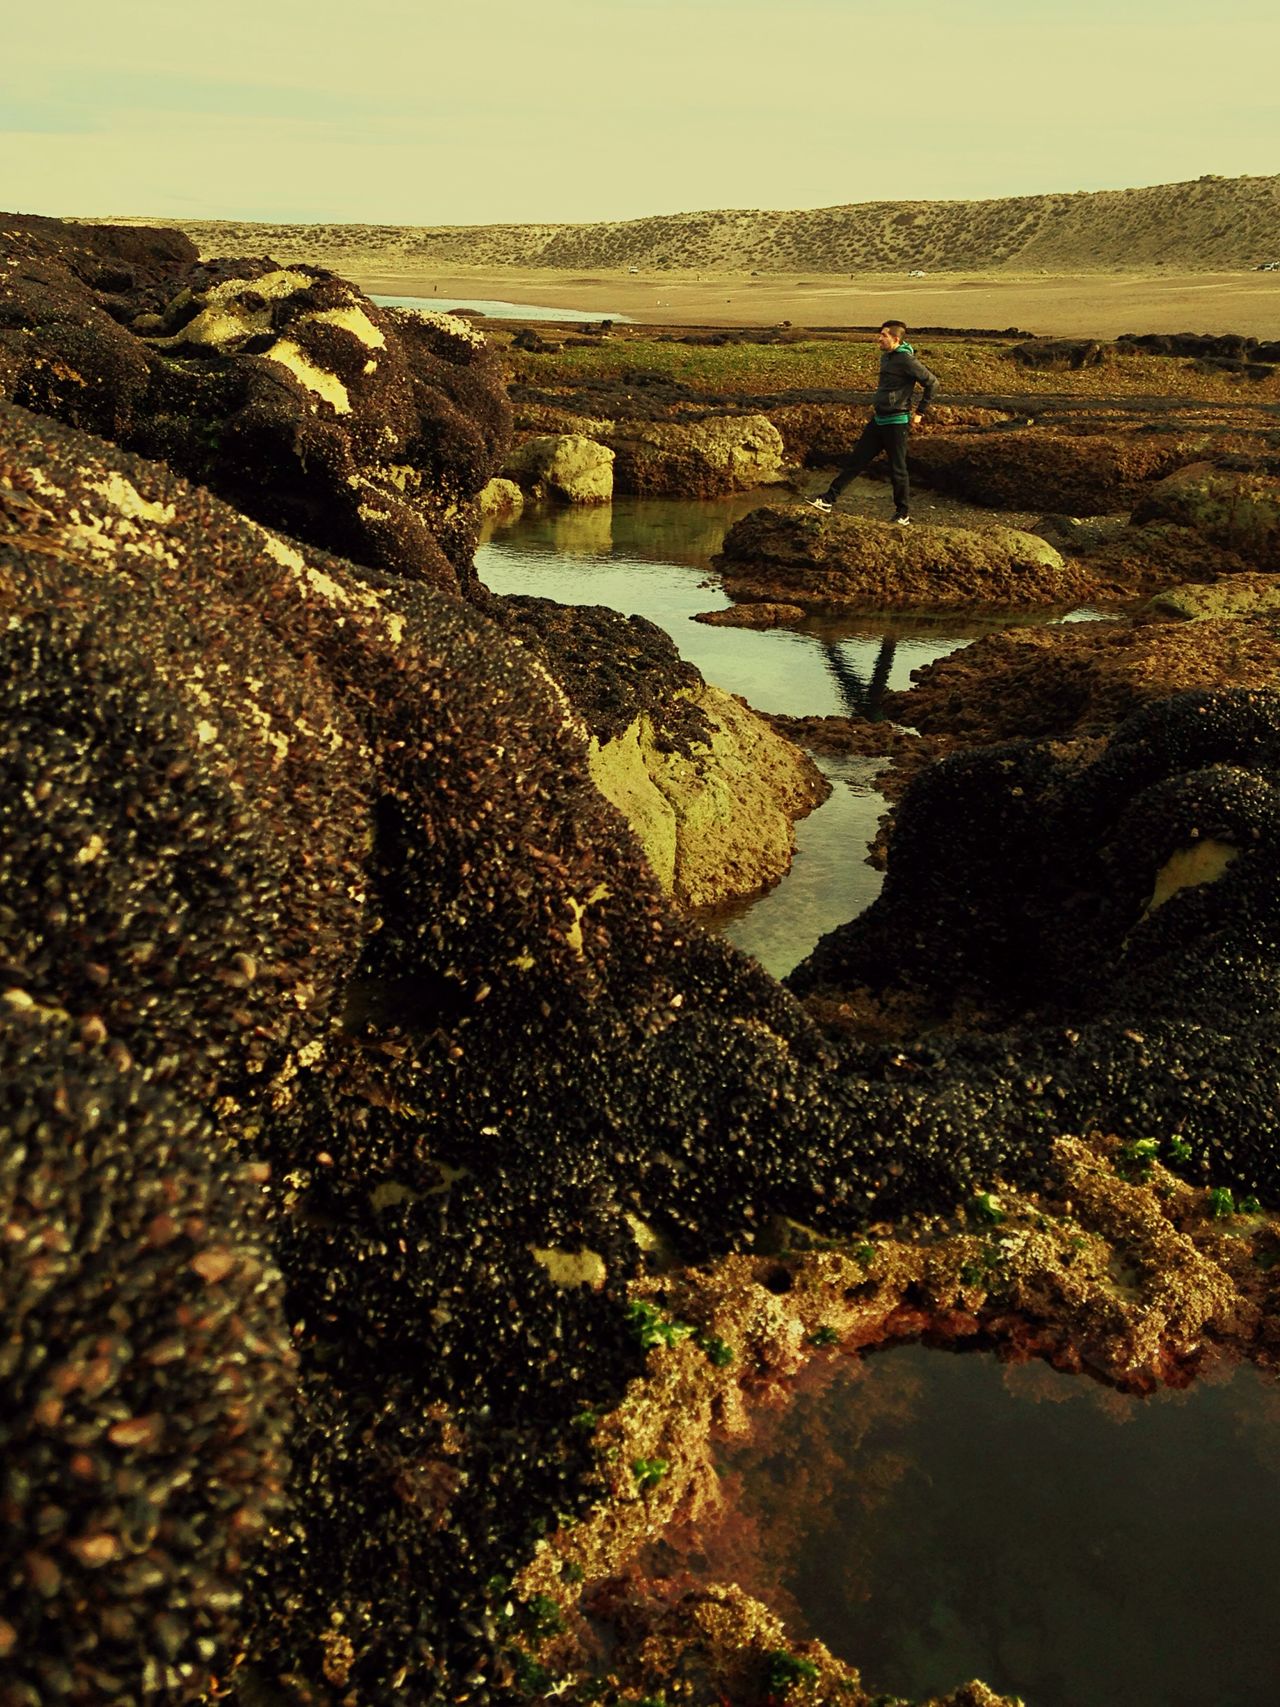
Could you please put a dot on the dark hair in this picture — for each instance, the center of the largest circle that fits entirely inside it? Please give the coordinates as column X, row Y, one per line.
column 894, row 326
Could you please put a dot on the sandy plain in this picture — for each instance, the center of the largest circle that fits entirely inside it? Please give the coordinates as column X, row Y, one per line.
column 1092, row 305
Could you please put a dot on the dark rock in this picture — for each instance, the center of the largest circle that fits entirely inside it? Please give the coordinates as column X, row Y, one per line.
column 1233, row 344
column 1232, row 364
column 284, row 390
column 1083, row 474
column 146, row 1371
column 1073, row 353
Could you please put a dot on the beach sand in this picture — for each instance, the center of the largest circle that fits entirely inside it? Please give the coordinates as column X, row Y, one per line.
column 1092, row 305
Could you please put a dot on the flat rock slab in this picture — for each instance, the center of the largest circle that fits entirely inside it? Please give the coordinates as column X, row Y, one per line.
column 834, row 563
column 752, row 616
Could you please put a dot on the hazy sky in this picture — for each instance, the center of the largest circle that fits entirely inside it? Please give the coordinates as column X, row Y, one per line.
column 428, row 112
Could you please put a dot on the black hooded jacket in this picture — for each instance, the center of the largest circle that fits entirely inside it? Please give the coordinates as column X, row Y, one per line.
column 900, row 373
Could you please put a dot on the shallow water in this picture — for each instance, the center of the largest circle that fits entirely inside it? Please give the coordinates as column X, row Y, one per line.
column 937, row 1516
column 495, row 309
column 652, row 558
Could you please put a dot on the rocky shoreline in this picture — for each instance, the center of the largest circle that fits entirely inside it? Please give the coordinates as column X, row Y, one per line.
column 398, row 1188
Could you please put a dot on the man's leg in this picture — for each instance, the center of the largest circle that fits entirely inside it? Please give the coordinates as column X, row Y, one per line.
column 861, row 456
column 896, row 445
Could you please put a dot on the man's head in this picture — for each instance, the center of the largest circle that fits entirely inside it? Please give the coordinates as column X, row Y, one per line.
column 891, row 334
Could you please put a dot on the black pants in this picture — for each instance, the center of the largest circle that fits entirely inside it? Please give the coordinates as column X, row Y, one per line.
column 874, row 440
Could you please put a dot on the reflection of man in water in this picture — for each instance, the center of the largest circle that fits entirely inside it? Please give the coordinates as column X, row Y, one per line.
column 891, row 417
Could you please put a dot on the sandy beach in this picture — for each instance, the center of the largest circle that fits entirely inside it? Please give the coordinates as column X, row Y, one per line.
column 1093, row 305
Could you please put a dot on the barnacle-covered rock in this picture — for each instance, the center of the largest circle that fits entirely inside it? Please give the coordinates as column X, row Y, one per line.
column 285, row 390
column 1035, row 467
column 146, row 1376
column 321, row 849
column 846, row 562
column 1238, row 510
column 1097, row 930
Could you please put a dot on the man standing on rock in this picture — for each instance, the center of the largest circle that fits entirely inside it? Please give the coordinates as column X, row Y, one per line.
column 892, row 416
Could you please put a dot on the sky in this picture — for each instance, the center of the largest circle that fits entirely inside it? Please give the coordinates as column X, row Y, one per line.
column 460, row 112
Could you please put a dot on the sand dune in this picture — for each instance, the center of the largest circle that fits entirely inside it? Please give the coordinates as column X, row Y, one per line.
column 1216, row 224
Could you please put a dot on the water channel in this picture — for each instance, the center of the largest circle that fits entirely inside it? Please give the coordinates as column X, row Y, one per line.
column 652, row 558
column 493, row 308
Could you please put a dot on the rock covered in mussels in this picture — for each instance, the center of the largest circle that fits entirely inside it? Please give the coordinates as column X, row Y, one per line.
column 357, row 895
column 1089, row 938
column 324, row 848
column 146, row 1371
column 285, row 390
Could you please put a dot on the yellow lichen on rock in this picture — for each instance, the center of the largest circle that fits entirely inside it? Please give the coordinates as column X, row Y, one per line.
column 1202, row 862
column 324, row 384
column 353, row 319
column 571, row 1268
column 126, row 498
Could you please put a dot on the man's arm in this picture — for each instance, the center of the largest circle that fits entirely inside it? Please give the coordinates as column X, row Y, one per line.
column 928, row 383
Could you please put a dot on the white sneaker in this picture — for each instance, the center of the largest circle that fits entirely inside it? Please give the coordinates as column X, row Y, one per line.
column 902, row 521
column 820, row 504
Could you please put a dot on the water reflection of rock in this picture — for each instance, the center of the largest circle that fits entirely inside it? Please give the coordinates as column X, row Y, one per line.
column 579, row 530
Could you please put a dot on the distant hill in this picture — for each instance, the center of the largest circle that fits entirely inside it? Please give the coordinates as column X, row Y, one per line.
column 1215, row 224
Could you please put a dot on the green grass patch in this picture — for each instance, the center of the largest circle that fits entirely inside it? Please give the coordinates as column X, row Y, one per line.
column 974, row 367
